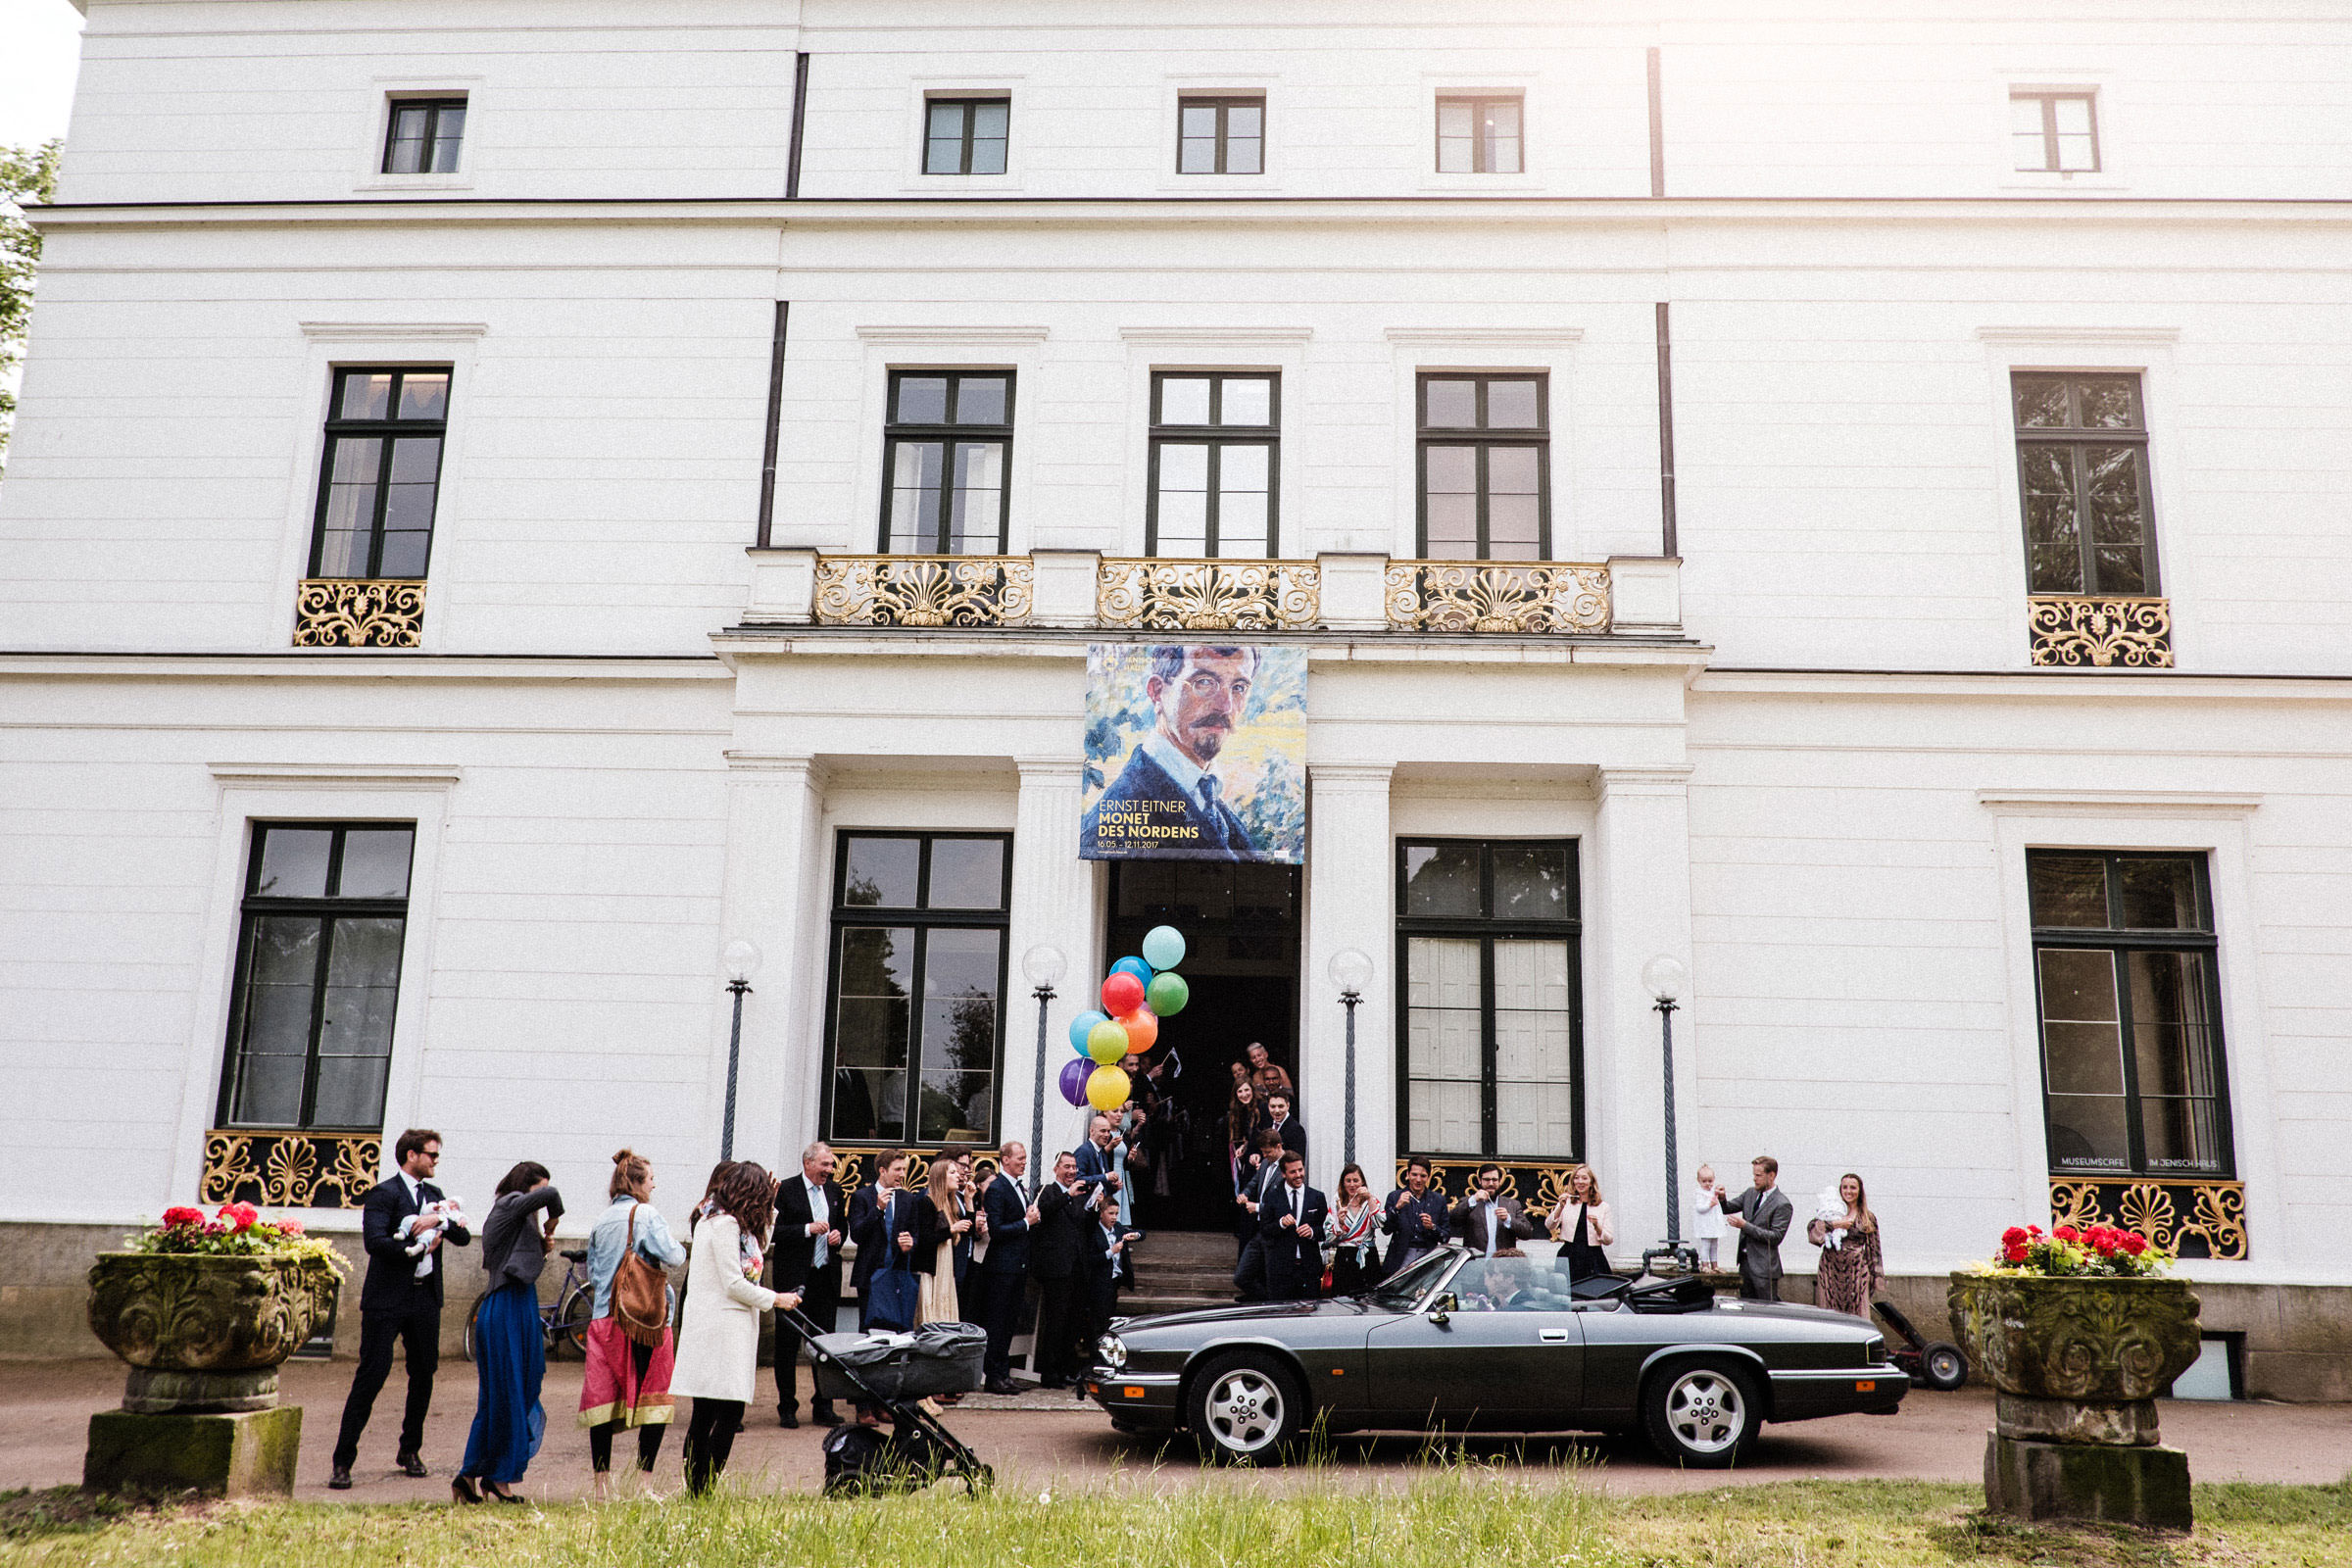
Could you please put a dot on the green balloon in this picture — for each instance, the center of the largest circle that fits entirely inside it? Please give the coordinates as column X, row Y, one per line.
column 1167, row 994
column 1106, row 1043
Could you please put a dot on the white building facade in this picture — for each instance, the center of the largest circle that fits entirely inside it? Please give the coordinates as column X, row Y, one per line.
column 1898, row 457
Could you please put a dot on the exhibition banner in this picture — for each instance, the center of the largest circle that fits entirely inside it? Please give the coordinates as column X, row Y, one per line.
column 1195, row 752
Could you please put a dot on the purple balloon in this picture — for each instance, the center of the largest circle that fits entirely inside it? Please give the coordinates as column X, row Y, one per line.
column 1075, row 1074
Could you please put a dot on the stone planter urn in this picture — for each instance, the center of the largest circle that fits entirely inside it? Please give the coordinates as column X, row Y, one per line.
column 2075, row 1366
column 204, row 1336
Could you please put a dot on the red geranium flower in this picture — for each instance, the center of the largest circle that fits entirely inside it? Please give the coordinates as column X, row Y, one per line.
column 2135, row 1244
column 2014, row 1252
column 289, row 1227
column 239, row 1216
column 2067, row 1232
column 2013, row 1236
column 182, row 1215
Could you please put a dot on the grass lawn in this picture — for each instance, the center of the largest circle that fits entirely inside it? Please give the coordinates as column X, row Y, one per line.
column 1452, row 1516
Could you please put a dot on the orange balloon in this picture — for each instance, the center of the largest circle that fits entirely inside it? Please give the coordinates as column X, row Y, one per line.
column 1142, row 1029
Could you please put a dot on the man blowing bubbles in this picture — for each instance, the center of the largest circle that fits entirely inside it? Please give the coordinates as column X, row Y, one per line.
column 1167, row 795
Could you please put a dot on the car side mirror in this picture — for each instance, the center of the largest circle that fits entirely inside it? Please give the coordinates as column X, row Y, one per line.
column 1442, row 1310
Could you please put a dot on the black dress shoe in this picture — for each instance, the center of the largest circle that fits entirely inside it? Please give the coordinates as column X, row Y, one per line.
column 787, row 1420
column 1003, row 1385
column 413, row 1466
column 823, row 1415
column 340, row 1480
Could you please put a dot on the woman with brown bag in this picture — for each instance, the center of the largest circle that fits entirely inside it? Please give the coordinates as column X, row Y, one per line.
column 629, row 1349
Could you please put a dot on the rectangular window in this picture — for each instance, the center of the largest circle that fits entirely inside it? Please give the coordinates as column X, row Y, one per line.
column 2132, row 1062
column 1486, row 934
column 913, row 1026
column 1215, row 445
column 966, row 135
column 2054, row 132
column 1479, row 135
column 946, row 462
column 2083, row 468
column 380, row 477
column 423, row 135
column 310, row 1028
column 1486, row 467
column 1222, row 136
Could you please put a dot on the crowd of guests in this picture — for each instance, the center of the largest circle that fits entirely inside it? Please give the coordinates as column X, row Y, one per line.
column 990, row 1252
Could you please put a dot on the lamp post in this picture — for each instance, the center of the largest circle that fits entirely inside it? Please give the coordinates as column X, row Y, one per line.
column 1350, row 971
column 1664, row 978
column 1044, row 965
column 742, row 962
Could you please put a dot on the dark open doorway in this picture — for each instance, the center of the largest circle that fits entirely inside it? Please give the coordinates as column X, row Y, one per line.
column 1241, row 932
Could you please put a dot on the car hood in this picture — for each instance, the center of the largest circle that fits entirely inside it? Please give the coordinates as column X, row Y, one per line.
column 1791, row 1311
column 1259, row 1312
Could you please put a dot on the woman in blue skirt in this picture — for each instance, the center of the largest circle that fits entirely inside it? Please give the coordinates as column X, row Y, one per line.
column 509, row 1347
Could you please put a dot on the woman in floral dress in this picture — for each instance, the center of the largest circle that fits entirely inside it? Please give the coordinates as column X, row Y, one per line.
column 1852, row 1270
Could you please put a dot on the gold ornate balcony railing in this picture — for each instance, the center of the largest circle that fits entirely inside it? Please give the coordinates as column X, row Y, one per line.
column 1176, row 595
column 2194, row 1218
column 358, row 612
column 923, row 590
column 1537, row 1183
column 855, row 1163
column 1490, row 595
column 2101, row 631
column 289, row 1169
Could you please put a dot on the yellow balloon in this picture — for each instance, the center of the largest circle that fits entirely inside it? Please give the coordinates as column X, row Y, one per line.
column 1106, row 1088
column 1106, row 1043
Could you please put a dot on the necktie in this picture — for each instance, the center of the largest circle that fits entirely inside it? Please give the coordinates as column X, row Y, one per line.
column 817, row 1203
column 1208, row 794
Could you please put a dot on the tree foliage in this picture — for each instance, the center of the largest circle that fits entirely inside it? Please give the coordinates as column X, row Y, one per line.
column 27, row 176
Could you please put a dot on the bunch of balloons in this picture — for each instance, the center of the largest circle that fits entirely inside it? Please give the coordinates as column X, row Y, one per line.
column 1137, row 994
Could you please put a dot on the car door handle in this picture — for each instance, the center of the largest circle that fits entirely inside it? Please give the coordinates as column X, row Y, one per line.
column 1553, row 1336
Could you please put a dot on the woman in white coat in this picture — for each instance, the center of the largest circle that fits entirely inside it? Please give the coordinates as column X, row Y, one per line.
column 718, row 1340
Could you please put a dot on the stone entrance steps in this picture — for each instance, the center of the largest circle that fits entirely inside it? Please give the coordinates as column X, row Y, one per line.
column 1178, row 1271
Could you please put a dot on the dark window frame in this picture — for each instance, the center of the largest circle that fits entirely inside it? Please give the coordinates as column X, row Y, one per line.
column 1484, row 437
column 328, row 908
column 435, row 107
column 1224, row 104
column 841, row 916
column 1479, row 103
column 2118, row 940
column 894, row 433
column 339, row 429
column 2052, row 162
column 2075, row 438
column 1216, row 436
column 1489, row 929
column 969, row 104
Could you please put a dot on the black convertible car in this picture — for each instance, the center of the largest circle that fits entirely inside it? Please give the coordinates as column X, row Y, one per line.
column 1468, row 1343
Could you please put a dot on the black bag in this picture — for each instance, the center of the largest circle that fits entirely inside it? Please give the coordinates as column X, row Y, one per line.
column 937, row 1358
column 865, row 1461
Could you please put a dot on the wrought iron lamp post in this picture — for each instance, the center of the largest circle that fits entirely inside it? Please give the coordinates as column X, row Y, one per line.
column 1351, row 972
column 1665, row 978
column 742, row 962
column 1044, row 967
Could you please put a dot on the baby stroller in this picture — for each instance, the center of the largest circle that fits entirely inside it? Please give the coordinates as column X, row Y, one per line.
column 1933, row 1364
column 894, row 1372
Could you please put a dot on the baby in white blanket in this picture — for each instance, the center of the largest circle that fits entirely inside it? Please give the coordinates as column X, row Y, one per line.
column 426, row 1224
column 1827, row 1209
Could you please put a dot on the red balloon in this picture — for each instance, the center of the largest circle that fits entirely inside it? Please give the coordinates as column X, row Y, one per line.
column 1122, row 993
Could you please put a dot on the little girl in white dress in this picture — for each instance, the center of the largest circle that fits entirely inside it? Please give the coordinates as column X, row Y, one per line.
column 1707, row 1217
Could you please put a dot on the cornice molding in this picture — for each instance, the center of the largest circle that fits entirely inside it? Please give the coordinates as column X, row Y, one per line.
column 1485, row 334
column 2078, row 334
column 393, row 331
column 2116, row 803
column 332, row 776
column 1216, row 335
column 954, row 335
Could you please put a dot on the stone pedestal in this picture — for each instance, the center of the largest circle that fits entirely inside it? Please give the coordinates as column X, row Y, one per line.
column 230, row 1453
column 2143, row 1485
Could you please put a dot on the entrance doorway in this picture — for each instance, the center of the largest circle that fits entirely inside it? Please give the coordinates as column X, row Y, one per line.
column 1240, row 933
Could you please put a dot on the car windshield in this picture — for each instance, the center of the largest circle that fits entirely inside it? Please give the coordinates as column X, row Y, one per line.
column 1400, row 1293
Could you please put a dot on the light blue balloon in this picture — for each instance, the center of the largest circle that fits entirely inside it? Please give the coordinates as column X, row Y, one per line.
column 1163, row 947
column 1136, row 967
column 1083, row 1025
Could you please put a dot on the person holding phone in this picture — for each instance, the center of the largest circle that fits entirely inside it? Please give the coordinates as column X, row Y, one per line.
column 1414, row 1215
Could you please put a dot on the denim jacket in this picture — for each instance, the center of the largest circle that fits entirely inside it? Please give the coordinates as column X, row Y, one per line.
column 610, row 1235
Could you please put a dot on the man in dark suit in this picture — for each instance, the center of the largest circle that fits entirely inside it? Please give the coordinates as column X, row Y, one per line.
column 880, row 1210
column 805, row 1257
column 1414, row 1215
column 1291, row 1222
column 1761, row 1216
column 1488, row 1222
column 998, row 1276
column 1285, row 1126
column 397, row 1302
column 1249, row 1269
column 1102, row 1258
column 1053, row 1243
column 1198, row 695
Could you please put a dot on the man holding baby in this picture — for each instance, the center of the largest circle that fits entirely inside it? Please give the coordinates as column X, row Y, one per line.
column 405, row 1223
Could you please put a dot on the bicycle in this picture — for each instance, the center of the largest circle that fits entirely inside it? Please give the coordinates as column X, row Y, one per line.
column 565, row 1321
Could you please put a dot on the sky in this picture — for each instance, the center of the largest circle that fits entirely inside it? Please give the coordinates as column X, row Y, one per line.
column 40, row 46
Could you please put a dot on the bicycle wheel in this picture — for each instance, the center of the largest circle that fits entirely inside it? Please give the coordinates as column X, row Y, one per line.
column 567, row 1329
column 473, row 1319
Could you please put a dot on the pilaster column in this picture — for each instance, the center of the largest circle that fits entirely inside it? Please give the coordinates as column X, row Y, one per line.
column 774, row 897
column 1350, row 891
column 1642, row 890
column 1052, row 900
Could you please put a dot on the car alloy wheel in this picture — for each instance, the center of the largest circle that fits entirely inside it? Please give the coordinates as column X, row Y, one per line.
column 1702, row 1414
column 1245, row 1408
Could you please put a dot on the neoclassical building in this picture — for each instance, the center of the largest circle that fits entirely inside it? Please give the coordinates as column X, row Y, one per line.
column 513, row 498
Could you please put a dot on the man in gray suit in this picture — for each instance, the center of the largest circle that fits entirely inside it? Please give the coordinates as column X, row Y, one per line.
column 1761, row 1216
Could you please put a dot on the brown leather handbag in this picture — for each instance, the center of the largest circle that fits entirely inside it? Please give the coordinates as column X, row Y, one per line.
column 640, row 1293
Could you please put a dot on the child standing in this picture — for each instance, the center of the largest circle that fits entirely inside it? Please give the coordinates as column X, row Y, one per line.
column 1707, row 1217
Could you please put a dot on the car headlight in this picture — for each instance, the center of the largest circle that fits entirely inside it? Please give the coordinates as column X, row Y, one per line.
column 1874, row 1352
column 1112, row 1350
